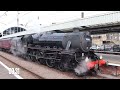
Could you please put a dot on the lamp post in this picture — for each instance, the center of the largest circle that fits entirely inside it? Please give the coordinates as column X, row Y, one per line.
column 18, row 18
column 82, row 15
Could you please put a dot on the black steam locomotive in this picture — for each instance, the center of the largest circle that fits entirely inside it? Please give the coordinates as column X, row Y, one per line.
column 64, row 51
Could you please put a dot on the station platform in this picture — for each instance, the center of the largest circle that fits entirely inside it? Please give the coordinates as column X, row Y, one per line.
column 4, row 73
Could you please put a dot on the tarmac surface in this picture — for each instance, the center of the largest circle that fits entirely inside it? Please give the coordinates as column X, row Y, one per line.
column 4, row 73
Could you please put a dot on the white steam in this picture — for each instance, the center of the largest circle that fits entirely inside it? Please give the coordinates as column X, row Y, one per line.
column 82, row 67
column 17, row 48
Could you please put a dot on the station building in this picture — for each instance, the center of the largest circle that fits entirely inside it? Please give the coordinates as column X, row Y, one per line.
column 112, row 38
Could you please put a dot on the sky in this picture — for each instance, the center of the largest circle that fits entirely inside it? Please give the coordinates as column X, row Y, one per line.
column 45, row 18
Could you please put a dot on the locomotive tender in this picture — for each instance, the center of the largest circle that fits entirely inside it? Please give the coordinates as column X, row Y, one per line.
column 65, row 51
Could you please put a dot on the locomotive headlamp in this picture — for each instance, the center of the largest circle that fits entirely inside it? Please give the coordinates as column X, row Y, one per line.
column 87, row 59
column 101, row 57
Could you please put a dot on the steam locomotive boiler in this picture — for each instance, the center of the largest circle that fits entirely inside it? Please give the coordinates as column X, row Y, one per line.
column 65, row 41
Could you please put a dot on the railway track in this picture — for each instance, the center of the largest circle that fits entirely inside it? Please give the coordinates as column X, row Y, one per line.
column 37, row 71
column 25, row 73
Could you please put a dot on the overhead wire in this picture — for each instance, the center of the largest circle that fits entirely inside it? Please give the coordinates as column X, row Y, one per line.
column 19, row 17
column 13, row 19
column 4, row 14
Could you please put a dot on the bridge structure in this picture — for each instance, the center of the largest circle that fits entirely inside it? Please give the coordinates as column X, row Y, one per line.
column 101, row 24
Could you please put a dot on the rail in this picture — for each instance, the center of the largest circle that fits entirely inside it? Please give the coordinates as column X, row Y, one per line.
column 47, row 73
column 40, row 77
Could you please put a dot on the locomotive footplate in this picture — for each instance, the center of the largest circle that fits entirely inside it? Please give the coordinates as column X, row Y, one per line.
column 68, row 52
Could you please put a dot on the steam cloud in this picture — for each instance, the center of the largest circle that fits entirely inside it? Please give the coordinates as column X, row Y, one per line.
column 17, row 48
column 82, row 67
